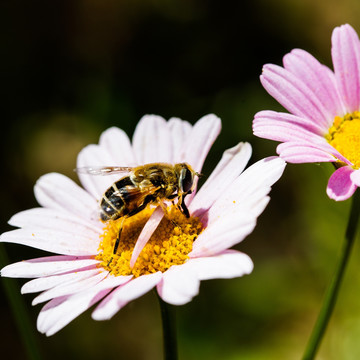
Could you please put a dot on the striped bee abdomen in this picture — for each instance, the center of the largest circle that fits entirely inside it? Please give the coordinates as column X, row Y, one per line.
column 114, row 201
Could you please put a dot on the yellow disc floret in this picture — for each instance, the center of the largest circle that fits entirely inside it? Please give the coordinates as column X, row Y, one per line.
column 344, row 136
column 169, row 245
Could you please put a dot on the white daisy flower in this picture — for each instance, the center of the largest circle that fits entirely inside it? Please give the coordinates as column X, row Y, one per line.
column 171, row 252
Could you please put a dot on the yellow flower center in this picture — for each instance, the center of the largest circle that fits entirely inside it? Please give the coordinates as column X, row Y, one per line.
column 169, row 245
column 344, row 136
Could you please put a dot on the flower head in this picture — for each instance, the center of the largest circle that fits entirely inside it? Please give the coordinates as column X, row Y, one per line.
column 324, row 124
column 159, row 246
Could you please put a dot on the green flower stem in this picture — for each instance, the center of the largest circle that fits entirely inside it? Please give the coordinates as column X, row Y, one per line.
column 169, row 329
column 26, row 329
column 332, row 292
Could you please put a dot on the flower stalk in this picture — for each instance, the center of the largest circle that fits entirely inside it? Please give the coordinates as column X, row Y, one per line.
column 333, row 290
column 169, row 329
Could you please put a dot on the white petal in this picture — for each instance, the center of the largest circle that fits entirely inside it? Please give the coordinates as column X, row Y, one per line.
column 152, row 141
column 118, row 146
column 179, row 285
column 59, row 242
column 61, row 311
column 226, row 231
column 48, row 282
column 227, row 170
column 42, row 218
column 226, row 265
column 200, row 139
column 94, row 155
column 58, row 192
column 233, row 216
column 123, row 294
column 71, row 287
column 46, row 266
column 179, row 130
column 253, row 184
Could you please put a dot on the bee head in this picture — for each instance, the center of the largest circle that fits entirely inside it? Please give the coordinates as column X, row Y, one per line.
column 185, row 175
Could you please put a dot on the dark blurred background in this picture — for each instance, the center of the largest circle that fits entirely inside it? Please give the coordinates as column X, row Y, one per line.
column 71, row 69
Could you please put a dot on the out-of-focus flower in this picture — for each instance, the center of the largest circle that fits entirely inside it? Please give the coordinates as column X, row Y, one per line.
column 324, row 124
column 177, row 253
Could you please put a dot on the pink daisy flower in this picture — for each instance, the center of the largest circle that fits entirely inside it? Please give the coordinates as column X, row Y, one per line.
column 175, row 252
column 324, row 124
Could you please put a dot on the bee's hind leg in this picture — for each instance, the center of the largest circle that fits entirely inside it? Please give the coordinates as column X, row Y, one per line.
column 164, row 208
column 131, row 213
column 117, row 242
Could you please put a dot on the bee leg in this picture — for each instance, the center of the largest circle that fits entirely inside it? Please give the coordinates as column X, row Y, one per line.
column 184, row 207
column 185, row 210
column 117, row 242
column 109, row 262
column 147, row 200
column 164, row 208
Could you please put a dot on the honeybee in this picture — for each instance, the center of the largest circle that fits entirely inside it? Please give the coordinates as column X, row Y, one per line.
column 146, row 184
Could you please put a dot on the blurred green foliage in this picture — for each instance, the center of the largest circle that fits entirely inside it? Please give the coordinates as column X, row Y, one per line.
column 71, row 69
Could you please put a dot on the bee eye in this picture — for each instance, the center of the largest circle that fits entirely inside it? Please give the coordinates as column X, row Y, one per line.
column 186, row 180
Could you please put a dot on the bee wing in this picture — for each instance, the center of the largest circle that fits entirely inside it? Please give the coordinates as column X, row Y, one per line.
column 136, row 195
column 103, row 170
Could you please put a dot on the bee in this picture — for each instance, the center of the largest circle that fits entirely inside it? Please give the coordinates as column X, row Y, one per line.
column 144, row 185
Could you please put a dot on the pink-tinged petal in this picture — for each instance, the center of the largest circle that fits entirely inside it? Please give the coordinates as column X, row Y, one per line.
column 49, row 282
column 346, row 58
column 91, row 156
column 355, row 177
column 297, row 153
column 227, row 170
column 124, row 294
column 42, row 218
column 47, row 266
column 179, row 285
column 293, row 94
column 58, row 192
column 117, row 144
column 146, row 233
column 59, row 242
column 226, row 265
column 340, row 186
column 301, row 152
column 179, row 130
column 200, row 139
column 152, row 140
column 282, row 131
column 59, row 312
column 286, row 127
column 318, row 78
column 70, row 288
